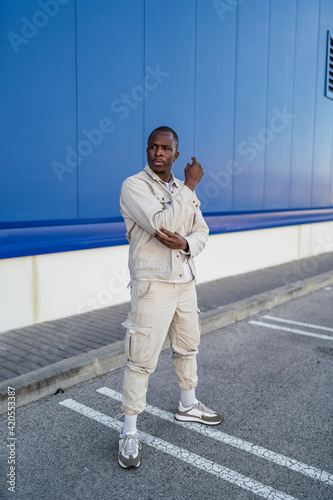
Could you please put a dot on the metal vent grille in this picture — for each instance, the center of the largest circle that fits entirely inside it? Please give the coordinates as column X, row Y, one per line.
column 329, row 70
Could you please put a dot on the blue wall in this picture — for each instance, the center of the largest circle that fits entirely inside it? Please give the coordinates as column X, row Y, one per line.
column 243, row 86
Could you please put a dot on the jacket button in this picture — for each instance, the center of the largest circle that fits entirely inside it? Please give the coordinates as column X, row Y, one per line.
column 180, row 275
column 177, row 255
column 162, row 199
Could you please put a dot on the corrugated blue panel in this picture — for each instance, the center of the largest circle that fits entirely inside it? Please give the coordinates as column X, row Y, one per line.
column 170, row 31
column 110, row 101
column 215, row 87
column 322, row 194
column 37, row 110
column 276, row 136
column 250, row 110
column 304, row 103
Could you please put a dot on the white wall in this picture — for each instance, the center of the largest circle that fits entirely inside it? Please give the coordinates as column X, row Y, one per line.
column 47, row 287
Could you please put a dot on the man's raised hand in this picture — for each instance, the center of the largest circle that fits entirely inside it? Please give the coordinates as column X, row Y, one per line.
column 193, row 173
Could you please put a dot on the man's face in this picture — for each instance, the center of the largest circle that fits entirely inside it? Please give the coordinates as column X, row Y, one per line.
column 161, row 153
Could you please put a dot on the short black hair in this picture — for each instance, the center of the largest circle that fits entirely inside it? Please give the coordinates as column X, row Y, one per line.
column 166, row 129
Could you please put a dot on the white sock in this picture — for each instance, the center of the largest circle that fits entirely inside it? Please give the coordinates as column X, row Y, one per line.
column 130, row 424
column 187, row 397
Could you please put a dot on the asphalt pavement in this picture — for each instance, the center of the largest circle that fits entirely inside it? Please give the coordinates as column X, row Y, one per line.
column 269, row 374
column 40, row 359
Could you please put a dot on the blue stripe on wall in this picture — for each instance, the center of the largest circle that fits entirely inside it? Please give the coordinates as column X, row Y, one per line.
column 19, row 242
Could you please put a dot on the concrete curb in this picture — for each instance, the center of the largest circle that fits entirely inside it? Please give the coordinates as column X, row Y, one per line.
column 69, row 372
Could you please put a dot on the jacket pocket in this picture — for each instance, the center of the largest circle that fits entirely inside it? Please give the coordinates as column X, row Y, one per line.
column 154, row 258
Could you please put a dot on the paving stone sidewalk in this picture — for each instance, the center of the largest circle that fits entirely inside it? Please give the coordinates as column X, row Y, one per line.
column 24, row 350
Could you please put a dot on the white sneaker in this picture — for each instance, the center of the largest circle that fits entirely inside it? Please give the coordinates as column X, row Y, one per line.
column 198, row 412
column 129, row 451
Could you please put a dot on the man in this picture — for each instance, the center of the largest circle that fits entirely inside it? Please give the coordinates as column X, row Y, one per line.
column 166, row 230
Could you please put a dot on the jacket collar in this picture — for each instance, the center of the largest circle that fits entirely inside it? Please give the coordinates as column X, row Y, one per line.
column 154, row 176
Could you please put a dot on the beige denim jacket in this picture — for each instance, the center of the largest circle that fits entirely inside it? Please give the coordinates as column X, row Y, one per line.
column 146, row 204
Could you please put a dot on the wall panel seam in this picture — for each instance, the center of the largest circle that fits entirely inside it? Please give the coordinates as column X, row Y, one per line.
column 293, row 107
column 235, row 101
column 267, row 92
column 77, row 118
column 315, row 106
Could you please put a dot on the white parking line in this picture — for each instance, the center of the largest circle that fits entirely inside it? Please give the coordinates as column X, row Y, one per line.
column 299, row 323
column 186, row 456
column 292, row 330
column 259, row 451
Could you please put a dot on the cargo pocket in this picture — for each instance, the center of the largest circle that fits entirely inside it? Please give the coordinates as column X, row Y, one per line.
column 137, row 343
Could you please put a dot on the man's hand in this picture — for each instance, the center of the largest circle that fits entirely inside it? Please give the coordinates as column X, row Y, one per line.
column 193, row 173
column 171, row 240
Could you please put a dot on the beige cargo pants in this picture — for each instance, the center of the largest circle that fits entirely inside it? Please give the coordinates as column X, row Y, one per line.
column 159, row 308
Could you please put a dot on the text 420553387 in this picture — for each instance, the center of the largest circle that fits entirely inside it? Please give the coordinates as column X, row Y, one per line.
column 11, row 445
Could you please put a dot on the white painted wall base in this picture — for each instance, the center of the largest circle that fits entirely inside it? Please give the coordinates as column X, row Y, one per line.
column 52, row 286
